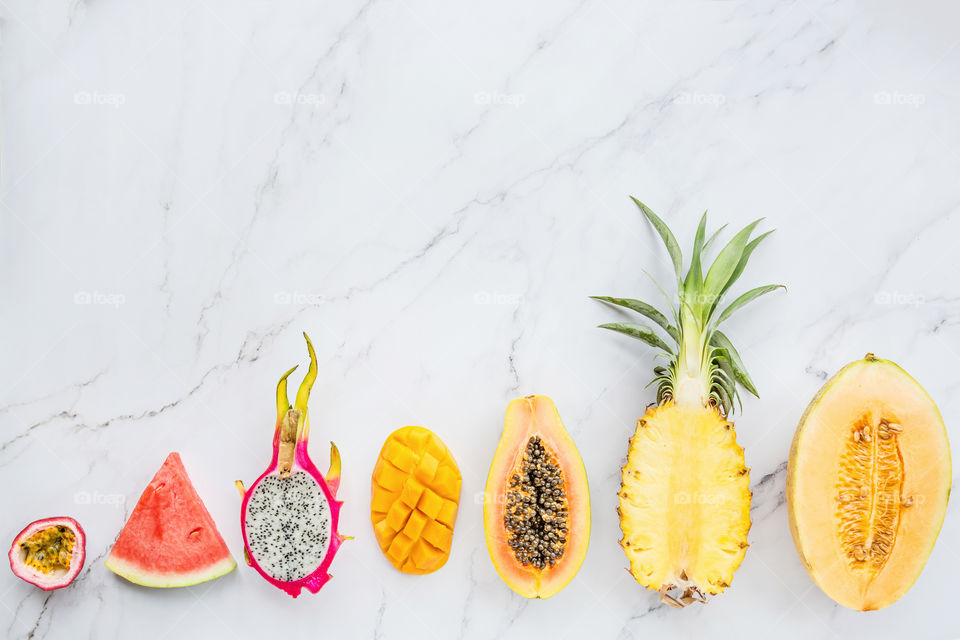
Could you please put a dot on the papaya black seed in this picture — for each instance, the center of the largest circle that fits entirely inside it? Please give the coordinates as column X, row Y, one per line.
column 536, row 509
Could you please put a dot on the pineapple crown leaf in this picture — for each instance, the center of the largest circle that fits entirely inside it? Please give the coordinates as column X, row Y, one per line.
column 741, row 265
column 702, row 352
column 747, row 251
column 724, row 267
column 640, row 332
column 669, row 241
column 694, row 278
column 721, row 343
column 706, row 245
column 666, row 296
column 643, row 309
column 721, row 396
column 749, row 296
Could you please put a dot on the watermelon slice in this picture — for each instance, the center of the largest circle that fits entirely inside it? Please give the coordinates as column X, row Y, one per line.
column 170, row 539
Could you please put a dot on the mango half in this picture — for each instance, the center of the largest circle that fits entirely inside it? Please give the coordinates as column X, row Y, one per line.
column 414, row 498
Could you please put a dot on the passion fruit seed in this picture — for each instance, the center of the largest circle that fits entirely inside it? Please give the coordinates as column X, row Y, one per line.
column 536, row 512
column 49, row 549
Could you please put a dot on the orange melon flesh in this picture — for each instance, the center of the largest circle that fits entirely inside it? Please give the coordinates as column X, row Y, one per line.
column 867, row 484
column 526, row 418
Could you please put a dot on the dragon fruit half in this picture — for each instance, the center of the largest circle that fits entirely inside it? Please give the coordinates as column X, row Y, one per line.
column 289, row 515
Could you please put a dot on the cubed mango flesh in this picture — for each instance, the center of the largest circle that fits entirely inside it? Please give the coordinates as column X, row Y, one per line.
column 416, row 489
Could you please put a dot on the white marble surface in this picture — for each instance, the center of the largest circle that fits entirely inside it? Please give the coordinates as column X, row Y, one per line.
column 432, row 191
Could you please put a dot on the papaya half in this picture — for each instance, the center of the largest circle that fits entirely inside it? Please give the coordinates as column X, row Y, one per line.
column 536, row 507
column 867, row 484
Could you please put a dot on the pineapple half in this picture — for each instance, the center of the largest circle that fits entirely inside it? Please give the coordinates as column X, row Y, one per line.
column 685, row 492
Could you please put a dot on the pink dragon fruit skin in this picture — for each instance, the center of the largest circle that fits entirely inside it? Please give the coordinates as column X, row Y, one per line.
column 292, row 474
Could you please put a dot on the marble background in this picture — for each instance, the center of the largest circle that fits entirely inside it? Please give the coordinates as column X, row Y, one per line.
column 432, row 190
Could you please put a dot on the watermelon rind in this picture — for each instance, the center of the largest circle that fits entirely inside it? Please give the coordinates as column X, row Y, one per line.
column 137, row 575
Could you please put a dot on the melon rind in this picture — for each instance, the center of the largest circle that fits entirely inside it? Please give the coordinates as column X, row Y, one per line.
column 136, row 574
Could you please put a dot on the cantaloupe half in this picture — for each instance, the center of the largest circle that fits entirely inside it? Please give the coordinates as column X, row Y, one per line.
column 867, row 484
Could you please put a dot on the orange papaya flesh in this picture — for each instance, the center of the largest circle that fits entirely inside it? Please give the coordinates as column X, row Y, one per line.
column 536, row 511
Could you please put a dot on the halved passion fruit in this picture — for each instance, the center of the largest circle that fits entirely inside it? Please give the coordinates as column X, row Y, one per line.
column 49, row 553
column 536, row 507
column 867, row 484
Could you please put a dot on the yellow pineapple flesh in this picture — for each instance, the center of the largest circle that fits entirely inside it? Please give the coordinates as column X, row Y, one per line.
column 684, row 502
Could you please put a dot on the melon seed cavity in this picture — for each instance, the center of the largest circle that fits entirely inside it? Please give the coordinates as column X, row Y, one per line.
column 869, row 498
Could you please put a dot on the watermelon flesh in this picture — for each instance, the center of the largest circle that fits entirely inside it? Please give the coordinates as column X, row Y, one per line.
column 170, row 540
